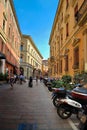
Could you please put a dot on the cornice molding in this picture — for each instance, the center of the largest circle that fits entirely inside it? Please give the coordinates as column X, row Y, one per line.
column 55, row 19
column 15, row 16
column 29, row 37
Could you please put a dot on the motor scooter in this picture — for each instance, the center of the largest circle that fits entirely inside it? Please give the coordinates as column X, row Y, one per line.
column 67, row 107
column 60, row 93
column 83, row 121
column 76, row 104
column 57, row 95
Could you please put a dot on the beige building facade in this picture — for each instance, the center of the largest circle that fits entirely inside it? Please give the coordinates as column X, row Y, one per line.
column 68, row 39
column 30, row 59
column 10, row 38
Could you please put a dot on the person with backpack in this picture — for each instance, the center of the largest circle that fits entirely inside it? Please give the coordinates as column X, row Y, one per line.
column 30, row 84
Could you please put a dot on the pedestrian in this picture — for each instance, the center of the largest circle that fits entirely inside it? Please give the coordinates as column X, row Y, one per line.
column 21, row 78
column 16, row 78
column 41, row 78
column 36, row 79
column 30, row 84
column 12, row 80
column 7, row 79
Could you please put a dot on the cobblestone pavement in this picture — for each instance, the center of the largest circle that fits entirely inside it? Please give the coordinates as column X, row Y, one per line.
column 24, row 108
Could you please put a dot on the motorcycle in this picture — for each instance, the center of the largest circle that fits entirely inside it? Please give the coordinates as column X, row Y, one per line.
column 57, row 95
column 76, row 104
column 49, row 86
column 60, row 93
column 68, row 107
column 83, row 121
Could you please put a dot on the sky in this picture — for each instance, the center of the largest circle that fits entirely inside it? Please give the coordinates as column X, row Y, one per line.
column 36, row 18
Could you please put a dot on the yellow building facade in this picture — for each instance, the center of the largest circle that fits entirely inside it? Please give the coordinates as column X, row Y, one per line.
column 68, row 39
column 30, row 59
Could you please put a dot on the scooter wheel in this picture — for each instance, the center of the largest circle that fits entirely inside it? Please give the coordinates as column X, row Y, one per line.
column 49, row 88
column 63, row 111
column 56, row 101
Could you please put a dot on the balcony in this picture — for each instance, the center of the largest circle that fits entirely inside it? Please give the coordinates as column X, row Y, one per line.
column 81, row 15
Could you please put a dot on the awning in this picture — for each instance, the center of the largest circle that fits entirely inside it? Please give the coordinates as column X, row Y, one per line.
column 2, row 56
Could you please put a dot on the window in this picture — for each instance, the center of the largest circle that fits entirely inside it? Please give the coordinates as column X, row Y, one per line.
column 21, row 59
column 58, row 26
column 28, row 59
column 61, row 39
column 31, row 61
column 55, row 48
column 4, row 25
column 13, row 38
column 76, row 58
column 9, row 31
column 67, row 3
column 21, row 48
column 76, row 12
column 62, row 16
column 66, row 63
column 54, row 69
column 67, row 30
column 5, row 3
column 2, row 47
column 57, row 67
column 28, row 48
column 61, row 66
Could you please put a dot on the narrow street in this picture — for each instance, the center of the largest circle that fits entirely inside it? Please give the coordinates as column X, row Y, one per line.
column 24, row 108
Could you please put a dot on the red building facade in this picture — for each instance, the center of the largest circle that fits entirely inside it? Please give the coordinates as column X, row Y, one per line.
column 10, row 38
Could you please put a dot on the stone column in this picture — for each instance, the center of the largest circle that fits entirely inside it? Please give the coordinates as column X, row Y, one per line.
column 85, row 50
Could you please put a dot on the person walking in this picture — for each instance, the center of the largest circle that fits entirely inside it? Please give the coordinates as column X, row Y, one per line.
column 36, row 79
column 30, row 84
column 21, row 78
column 41, row 78
column 12, row 80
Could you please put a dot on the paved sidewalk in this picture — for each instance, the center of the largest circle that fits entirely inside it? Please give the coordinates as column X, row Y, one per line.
column 24, row 108
column 2, row 82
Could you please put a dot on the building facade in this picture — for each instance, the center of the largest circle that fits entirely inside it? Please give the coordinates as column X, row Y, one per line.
column 30, row 59
column 10, row 38
column 45, row 68
column 68, row 39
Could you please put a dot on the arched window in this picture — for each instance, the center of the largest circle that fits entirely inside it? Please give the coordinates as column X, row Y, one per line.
column 21, row 58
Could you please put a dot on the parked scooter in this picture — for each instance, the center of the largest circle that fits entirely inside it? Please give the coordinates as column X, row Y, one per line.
column 76, row 105
column 49, row 86
column 83, row 121
column 57, row 95
column 60, row 93
column 68, row 107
